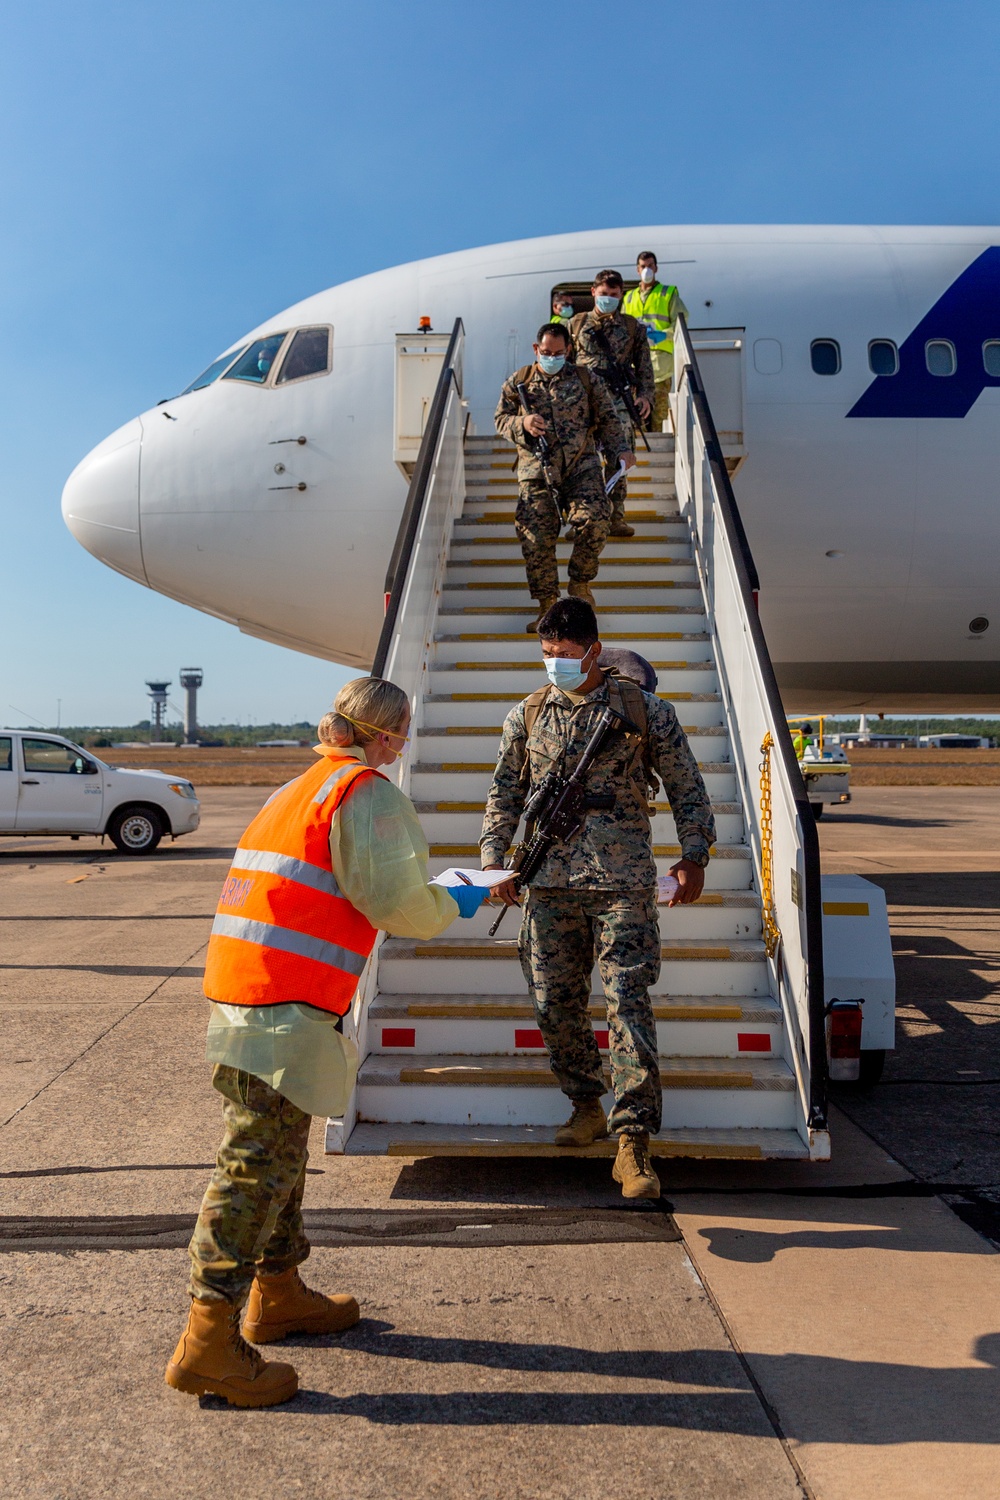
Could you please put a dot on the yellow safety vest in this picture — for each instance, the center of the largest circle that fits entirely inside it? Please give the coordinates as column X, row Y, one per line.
column 655, row 314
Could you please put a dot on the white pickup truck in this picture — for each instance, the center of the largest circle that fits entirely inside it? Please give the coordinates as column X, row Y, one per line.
column 48, row 785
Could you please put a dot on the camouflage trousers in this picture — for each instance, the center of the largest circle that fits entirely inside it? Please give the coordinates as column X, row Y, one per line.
column 661, row 407
column 620, row 491
column 560, row 932
column 251, row 1215
column 537, row 523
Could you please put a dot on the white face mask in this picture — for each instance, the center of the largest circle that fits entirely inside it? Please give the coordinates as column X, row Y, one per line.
column 647, row 274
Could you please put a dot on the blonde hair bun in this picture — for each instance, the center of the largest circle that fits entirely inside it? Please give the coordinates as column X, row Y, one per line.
column 363, row 708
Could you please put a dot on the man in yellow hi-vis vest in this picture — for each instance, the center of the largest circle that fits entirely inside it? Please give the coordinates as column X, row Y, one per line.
column 657, row 308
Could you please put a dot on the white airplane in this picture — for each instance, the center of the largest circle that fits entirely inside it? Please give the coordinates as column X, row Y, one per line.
column 870, row 392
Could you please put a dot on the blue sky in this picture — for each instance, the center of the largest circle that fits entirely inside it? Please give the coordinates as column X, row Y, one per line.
column 170, row 175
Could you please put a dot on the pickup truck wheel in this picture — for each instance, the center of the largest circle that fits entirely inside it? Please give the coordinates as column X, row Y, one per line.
column 135, row 830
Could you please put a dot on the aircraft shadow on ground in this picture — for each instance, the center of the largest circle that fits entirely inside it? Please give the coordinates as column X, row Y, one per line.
column 917, row 1404
column 887, row 820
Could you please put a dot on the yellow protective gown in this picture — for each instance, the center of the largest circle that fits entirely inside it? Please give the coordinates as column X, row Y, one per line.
column 379, row 856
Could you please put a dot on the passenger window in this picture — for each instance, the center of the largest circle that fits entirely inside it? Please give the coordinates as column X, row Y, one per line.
column 883, row 357
column 255, row 364
column 991, row 357
column 6, row 754
column 213, row 372
column 46, row 755
column 825, row 354
column 940, row 357
column 767, row 356
column 308, row 354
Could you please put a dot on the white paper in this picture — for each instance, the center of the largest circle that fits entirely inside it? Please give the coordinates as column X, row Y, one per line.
column 488, row 878
column 667, row 887
column 615, row 478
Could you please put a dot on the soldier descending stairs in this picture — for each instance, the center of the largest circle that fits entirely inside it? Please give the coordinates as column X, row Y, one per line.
column 456, row 1064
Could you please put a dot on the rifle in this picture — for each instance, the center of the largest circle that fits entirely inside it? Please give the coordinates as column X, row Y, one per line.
column 543, row 451
column 558, row 806
column 614, row 376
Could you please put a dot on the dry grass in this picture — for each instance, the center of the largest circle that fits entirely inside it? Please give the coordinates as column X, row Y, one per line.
column 236, row 767
column 221, row 767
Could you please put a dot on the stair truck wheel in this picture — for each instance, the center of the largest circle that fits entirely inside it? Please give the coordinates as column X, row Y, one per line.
column 817, row 808
column 136, row 830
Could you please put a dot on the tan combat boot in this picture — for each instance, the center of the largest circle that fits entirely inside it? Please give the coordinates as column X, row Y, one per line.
column 585, row 1125
column 544, row 605
column 621, row 528
column 582, row 591
column 213, row 1360
column 283, row 1304
column 633, row 1168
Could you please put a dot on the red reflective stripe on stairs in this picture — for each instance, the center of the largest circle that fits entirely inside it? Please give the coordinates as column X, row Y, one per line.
column 399, row 1036
column 753, row 1041
column 527, row 1037
column 602, row 1040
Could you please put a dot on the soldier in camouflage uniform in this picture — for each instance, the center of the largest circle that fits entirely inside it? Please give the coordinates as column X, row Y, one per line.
column 569, row 411
column 596, row 893
column 626, row 338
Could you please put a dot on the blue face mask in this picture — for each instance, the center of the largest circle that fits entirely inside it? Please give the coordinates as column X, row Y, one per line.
column 567, row 672
column 551, row 363
column 607, row 304
column 566, row 311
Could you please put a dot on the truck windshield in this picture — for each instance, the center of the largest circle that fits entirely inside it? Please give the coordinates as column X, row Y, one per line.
column 213, row 372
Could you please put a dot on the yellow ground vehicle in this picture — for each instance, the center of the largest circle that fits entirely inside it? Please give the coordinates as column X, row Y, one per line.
column 825, row 768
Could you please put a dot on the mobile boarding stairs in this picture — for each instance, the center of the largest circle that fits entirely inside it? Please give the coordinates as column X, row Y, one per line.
column 452, row 1061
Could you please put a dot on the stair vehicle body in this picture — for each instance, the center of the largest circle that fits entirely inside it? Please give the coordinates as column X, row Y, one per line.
column 452, row 1060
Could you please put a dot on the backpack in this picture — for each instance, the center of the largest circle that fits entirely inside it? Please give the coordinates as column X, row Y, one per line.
column 631, row 703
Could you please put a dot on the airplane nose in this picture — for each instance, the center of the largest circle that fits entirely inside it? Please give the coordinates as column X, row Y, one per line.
column 100, row 501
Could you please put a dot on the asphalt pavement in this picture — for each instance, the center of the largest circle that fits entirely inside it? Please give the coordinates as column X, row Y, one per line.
column 825, row 1330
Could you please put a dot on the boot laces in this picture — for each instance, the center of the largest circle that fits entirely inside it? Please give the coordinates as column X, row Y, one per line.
column 639, row 1153
column 245, row 1351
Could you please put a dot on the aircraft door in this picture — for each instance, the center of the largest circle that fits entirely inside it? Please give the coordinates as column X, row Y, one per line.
column 60, row 788
column 8, row 783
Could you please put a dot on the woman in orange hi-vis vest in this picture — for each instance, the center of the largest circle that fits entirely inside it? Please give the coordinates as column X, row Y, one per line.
column 330, row 859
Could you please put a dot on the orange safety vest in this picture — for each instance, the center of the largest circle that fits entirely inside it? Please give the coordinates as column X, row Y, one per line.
column 283, row 931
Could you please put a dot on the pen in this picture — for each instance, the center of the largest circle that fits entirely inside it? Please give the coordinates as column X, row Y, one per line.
column 463, row 878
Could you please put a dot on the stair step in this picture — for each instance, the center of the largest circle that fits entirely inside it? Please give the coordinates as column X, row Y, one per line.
column 462, row 822
column 400, row 1025
column 466, row 709
column 675, row 680
column 615, row 593
column 471, row 780
column 440, row 1089
column 710, row 1144
column 491, row 966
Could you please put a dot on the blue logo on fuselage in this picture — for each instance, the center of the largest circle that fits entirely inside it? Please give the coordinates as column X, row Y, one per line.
column 968, row 314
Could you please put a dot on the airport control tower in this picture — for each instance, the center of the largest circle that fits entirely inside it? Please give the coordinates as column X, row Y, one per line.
column 191, row 680
column 158, row 695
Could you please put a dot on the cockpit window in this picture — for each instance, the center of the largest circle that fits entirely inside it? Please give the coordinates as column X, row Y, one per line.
column 213, row 372
column 308, row 354
column 255, row 364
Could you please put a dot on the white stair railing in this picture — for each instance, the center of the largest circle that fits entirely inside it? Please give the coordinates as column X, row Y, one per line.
column 413, row 588
column 780, row 825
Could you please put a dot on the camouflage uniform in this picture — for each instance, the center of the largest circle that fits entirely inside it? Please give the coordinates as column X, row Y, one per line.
column 251, row 1215
column 627, row 339
column 598, row 891
column 572, row 418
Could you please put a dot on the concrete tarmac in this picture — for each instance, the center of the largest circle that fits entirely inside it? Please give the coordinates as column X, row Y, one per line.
column 824, row 1330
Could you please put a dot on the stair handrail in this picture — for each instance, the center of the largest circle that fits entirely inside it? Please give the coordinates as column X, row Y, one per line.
column 416, row 495
column 807, row 898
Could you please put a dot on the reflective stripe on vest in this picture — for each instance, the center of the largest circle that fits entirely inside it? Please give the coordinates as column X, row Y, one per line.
column 284, row 931
column 654, row 314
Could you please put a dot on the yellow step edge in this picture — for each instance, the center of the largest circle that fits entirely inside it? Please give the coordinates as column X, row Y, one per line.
column 500, row 1077
column 619, row 583
column 497, row 729
column 606, row 635
column 609, row 1148
column 442, row 1011
column 471, row 851
column 719, row 954
column 511, row 697
column 609, row 562
column 501, row 517
column 532, row 666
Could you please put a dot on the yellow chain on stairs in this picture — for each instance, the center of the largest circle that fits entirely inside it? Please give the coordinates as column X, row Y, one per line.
column 772, row 936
